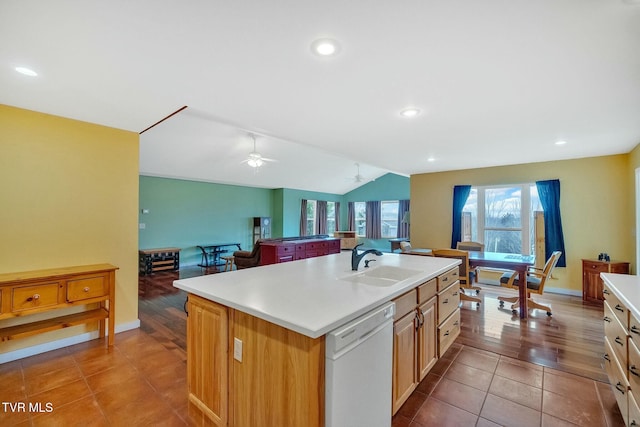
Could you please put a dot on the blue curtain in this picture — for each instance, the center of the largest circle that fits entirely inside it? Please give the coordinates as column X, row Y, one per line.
column 460, row 195
column 549, row 193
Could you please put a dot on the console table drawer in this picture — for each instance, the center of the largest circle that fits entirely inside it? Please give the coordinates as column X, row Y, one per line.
column 85, row 288
column 34, row 298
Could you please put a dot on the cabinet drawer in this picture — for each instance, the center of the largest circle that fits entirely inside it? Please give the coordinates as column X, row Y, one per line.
column 617, row 379
column 448, row 332
column 87, row 287
column 616, row 334
column 300, row 247
column 25, row 298
column 427, row 290
column 594, row 267
column 405, row 303
column 286, row 249
column 618, row 309
column 446, row 279
column 634, row 410
column 448, row 301
column 634, row 367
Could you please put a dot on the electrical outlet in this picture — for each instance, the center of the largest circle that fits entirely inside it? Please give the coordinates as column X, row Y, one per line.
column 237, row 349
column 142, row 225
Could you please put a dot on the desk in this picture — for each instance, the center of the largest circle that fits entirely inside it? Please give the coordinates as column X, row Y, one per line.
column 395, row 243
column 211, row 253
column 515, row 262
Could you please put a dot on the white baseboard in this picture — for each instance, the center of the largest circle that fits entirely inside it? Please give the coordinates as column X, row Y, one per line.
column 64, row 342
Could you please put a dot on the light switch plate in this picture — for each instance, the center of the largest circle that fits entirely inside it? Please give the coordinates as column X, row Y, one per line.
column 237, row 349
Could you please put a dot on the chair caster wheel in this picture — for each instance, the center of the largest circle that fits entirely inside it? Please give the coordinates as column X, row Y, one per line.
column 501, row 304
column 514, row 312
column 477, row 291
column 549, row 313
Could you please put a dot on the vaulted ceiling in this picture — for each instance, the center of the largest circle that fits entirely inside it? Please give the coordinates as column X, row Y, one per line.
column 495, row 82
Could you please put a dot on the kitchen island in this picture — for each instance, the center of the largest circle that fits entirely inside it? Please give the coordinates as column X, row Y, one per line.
column 256, row 348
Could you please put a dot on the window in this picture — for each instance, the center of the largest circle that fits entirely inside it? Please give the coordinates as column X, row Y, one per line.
column 502, row 217
column 360, row 210
column 389, row 218
column 311, row 217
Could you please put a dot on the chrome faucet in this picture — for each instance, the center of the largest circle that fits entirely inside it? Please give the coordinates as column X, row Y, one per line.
column 357, row 257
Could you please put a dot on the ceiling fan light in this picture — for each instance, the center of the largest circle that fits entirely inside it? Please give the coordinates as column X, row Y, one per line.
column 410, row 112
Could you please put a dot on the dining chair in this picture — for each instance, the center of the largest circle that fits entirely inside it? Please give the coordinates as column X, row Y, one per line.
column 465, row 271
column 472, row 247
column 536, row 280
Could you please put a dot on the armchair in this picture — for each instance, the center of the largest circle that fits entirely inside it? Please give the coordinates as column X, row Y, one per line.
column 246, row 259
column 536, row 279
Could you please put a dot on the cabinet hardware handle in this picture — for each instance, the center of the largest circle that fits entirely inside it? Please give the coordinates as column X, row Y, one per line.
column 86, row 289
column 634, row 371
column 633, row 423
column 635, row 330
column 456, row 323
column 446, row 334
column 446, row 301
column 606, row 357
column 619, row 308
column 620, row 387
column 619, row 341
column 185, row 307
column 607, row 319
column 606, row 292
column 446, row 279
column 417, row 321
column 35, row 297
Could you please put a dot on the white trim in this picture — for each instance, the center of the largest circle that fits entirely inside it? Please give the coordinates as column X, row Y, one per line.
column 563, row 291
column 64, row 342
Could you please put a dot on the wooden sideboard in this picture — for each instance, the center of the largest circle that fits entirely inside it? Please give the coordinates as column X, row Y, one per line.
column 292, row 250
column 31, row 292
column 592, row 284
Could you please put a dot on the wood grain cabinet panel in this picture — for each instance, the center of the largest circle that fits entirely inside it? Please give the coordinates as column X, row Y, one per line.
column 404, row 359
column 427, row 340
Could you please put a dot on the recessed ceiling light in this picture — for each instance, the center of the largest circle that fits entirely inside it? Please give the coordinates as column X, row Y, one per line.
column 410, row 112
column 561, row 142
column 325, row 47
column 26, row 71
column 431, row 159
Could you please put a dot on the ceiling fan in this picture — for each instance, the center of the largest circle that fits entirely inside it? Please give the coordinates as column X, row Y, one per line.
column 357, row 177
column 255, row 159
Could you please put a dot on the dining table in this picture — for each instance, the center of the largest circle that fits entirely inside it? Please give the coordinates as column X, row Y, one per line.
column 516, row 262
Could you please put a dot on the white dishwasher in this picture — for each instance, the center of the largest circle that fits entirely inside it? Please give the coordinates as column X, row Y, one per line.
column 359, row 364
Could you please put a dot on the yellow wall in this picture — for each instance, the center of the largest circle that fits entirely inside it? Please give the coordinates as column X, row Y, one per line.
column 69, row 196
column 596, row 203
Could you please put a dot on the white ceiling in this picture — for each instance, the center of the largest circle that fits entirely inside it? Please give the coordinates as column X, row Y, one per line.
column 498, row 82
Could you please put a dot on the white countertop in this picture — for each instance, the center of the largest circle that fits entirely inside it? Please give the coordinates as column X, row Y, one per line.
column 627, row 288
column 311, row 296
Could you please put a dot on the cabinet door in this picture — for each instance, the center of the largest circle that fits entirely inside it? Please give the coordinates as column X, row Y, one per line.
column 207, row 363
column 404, row 359
column 591, row 282
column 427, row 349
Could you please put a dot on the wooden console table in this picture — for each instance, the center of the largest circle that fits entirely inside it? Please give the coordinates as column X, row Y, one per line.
column 152, row 260
column 30, row 292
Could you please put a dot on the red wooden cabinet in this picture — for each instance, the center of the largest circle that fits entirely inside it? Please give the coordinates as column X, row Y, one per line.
column 289, row 250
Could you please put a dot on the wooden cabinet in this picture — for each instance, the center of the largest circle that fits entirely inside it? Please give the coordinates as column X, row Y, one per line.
column 592, row 283
column 31, row 292
column 426, row 322
column 621, row 356
column 276, row 252
column 348, row 239
column 277, row 380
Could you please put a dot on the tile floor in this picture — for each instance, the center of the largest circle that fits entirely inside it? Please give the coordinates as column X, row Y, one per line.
column 472, row 387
